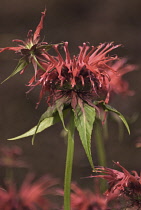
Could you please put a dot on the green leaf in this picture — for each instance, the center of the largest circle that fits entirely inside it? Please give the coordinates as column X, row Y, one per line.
column 84, row 118
column 45, row 123
column 49, row 113
column 21, row 65
column 111, row 109
column 60, row 107
column 46, row 120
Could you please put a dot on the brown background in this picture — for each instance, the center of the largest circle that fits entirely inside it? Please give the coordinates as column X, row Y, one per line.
column 76, row 21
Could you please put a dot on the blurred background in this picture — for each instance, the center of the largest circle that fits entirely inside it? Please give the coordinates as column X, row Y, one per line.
column 76, row 21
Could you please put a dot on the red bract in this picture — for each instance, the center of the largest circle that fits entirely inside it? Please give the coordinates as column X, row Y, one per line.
column 84, row 76
column 31, row 196
column 86, row 200
column 122, row 183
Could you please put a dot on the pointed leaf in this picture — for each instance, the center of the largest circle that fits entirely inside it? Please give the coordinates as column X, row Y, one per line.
column 49, row 113
column 84, row 119
column 111, row 109
column 45, row 123
column 21, row 65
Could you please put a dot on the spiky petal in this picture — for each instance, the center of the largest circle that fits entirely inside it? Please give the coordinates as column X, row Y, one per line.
column 122, row 183
column 84, row 76
column 31, row 195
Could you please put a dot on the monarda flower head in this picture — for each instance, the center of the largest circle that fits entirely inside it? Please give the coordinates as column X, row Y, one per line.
column 31, row 50
column 31, row 42
column 81, row 78
column 122, row 184
column 87, row 200
column 79, row 84
column 30, row 196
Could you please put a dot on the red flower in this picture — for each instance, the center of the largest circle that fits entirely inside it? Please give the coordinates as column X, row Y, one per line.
column 84, row 77
column 31, row 196
column 11, row 157
column 122, row 183
column 117, row 84
column 31, row 49
column 86, row 200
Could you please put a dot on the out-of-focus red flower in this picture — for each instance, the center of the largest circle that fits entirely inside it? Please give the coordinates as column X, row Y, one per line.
column 31, row 196
column 11, row 157
column 117, row 84
column 31, row 49
column 122, row 183
column 138, row 142
column 87, row 200
column 84, row 77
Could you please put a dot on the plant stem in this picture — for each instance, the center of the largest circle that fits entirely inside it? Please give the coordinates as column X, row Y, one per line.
column 100, row 151
column 105, row 130
column 69, row 162
column 100, row 144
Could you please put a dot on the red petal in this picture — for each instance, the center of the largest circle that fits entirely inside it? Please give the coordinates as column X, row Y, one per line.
column 18, row 40
column 40, row 26
column 10, row 48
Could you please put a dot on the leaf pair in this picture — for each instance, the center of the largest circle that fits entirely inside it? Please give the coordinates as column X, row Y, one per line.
column 84, row 117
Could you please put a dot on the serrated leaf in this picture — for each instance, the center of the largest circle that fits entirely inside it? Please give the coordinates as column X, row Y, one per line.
column 21, row 65
column 84, row 119
column 111, row 109
column 45, row 123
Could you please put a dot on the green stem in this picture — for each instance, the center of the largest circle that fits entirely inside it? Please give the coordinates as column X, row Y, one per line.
column 100, row 151
column 69, row 162
column 100, row 144
column 105, row 130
